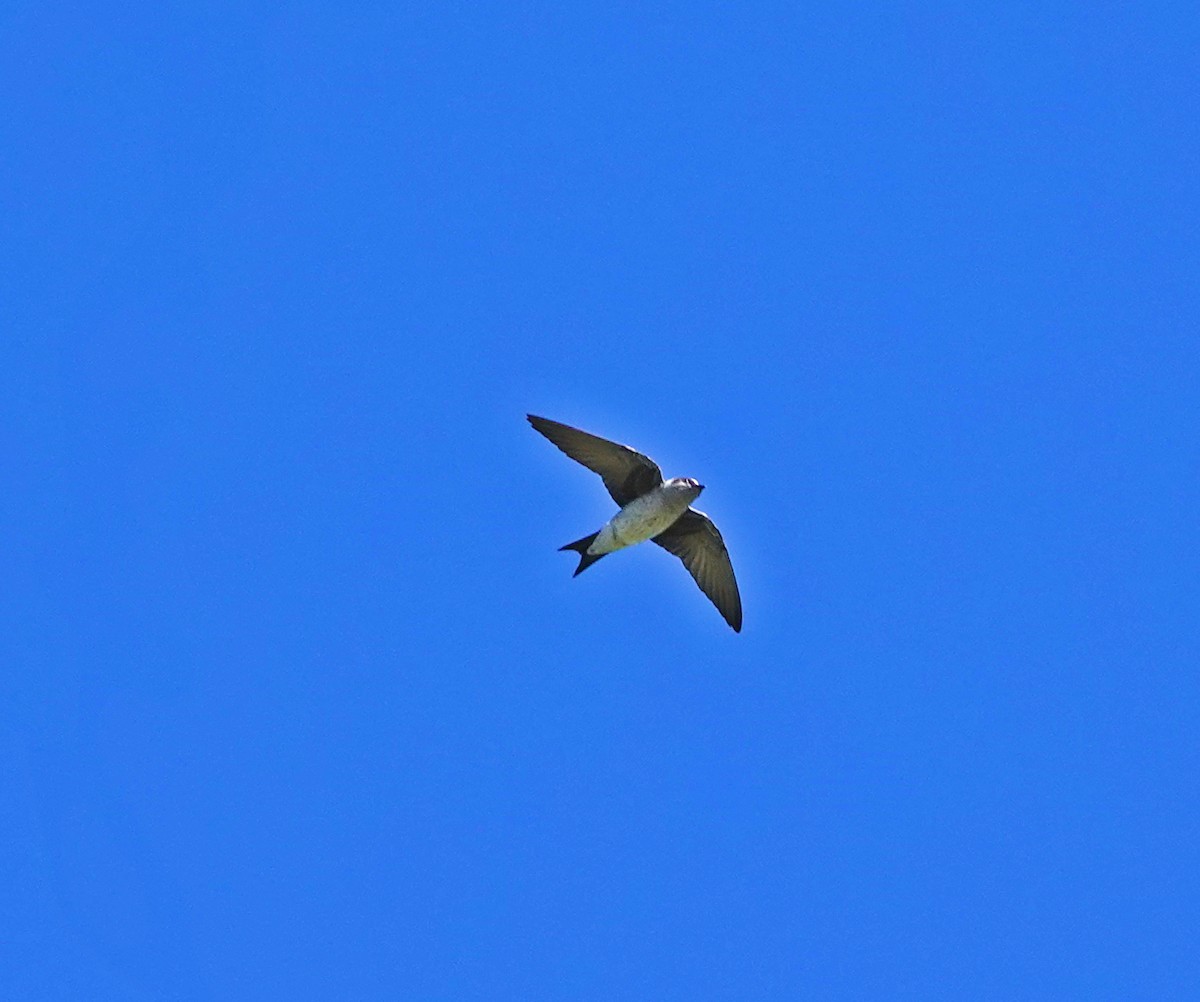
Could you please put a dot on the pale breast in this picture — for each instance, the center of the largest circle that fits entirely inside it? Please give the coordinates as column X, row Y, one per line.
column 647, row 516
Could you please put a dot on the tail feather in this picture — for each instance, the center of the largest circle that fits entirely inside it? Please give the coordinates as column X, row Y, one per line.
column 586, row 559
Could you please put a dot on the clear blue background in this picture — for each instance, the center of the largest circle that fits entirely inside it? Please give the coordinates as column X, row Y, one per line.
column 300, row 701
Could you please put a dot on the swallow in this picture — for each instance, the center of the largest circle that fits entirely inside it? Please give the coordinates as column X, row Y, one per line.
column 651, row 508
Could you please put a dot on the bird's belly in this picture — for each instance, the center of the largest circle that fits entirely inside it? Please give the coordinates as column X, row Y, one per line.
column 641, row 519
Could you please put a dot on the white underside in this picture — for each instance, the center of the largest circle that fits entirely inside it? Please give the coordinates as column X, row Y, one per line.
column 643, row 518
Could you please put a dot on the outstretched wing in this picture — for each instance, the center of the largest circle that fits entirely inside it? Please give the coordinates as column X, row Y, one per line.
column 626, row 473
column 697, row 542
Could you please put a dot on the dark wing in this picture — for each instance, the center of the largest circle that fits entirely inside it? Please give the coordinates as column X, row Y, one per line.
column 696, row 541
column 627, row 474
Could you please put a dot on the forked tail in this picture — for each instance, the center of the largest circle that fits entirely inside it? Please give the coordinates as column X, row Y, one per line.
column 585, row 559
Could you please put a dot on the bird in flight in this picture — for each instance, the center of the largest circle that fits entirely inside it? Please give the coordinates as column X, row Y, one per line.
column 651, row 508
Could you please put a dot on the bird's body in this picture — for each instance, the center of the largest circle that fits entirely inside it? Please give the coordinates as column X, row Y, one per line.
column 646, row 516
column 651, row 508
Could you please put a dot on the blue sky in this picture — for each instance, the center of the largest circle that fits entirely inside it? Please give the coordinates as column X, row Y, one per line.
column 299, row 700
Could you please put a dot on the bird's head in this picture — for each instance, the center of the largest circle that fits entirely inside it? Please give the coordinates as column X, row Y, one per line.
column 688, row 486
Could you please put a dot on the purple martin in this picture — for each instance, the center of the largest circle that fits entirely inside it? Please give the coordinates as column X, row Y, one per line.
column 651, row 508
